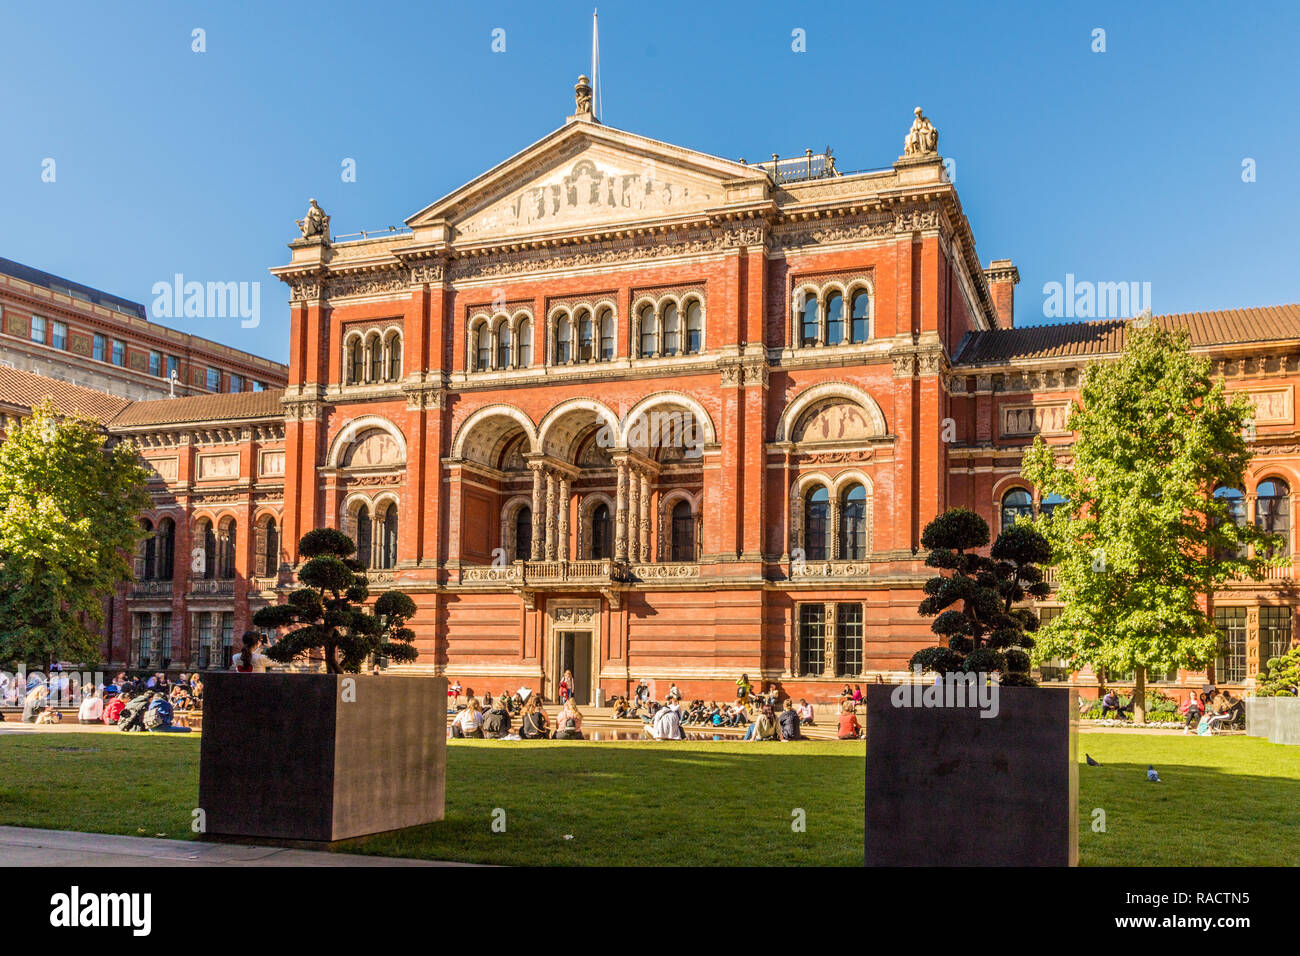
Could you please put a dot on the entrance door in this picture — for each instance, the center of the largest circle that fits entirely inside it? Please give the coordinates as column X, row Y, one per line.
column 575, row 655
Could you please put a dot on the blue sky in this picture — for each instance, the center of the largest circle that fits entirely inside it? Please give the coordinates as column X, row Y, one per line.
column 1117, row 166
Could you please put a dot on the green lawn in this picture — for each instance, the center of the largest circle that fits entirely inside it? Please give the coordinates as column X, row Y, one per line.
column 1228, row 800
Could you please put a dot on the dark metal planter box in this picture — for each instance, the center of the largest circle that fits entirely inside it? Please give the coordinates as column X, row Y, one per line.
column 321, row 757
column 947, row 787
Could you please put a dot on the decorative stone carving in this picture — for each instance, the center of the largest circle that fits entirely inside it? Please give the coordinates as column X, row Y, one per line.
column 833, row 420
column 922, row 139
column 665, row 572
column 582, row 96
column 373, row 448
column 427, row 272
column 743, row 236
column 315, row 225
column 303, row 290
column 904, row 365
column 1033, row 419
column 373, row 283
column 917, row 219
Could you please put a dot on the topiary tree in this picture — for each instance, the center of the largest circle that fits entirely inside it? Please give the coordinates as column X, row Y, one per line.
column 1281, row 676
column 987, row 633
column 330, row 611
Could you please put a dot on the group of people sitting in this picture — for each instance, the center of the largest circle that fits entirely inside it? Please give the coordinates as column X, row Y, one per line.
column 1211, row 706
column 498, row 721
column 142, row 703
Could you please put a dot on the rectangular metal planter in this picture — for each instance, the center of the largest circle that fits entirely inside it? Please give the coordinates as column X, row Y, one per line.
column 948, row 787
column 321, row 757
column 1259, row 716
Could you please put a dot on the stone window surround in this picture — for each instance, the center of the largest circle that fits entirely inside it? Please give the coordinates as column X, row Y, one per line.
column 389, row 338
column 820, row 290
column 659, row 303
column 495, row 322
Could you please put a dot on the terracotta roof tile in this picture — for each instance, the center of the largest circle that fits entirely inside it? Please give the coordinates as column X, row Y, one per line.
column 202, row 408
column 1106, row 336
column 27, row 389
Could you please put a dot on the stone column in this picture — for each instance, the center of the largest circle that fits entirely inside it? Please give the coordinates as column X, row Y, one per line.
column 645, row 517
column 620, row 513
column 633, row 514
column 562, row 524
column 835, row 551
column 536, row 549
column 550, row 516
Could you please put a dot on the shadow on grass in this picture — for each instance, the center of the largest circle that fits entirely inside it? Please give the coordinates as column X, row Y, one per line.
column 704, row 804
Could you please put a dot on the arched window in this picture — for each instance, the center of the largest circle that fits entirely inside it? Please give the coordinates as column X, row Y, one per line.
column 860, row 325
column 809, row 325
column 606, row 335
column 357, row 362
column 226, row 554
column 835, row 319
column 208, row 538
column 817, row 525
column 853, row 528
column 1016, row 503
column 394, row 357
column 388, row 537
column 1273, row 511
column 564, row 342
column 166, row 537
column 149, row 550
column 586, row 337
column 483, row 348
column 1236, row 503
column 694, row 328
column 525, row 343
column 649, row 332
column 523, row 533
column 1050, row 504
column 683, row 532
column 503, row 345
column 602, row 535
column 376, row 358
column 364, row 527
column 672, row 330
column 270, row 556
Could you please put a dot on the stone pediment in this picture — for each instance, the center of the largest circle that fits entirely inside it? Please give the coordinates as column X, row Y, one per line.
column 589, row 177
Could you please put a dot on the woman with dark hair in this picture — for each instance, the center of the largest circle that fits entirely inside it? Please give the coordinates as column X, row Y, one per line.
column 249, row 660
column 766, row 727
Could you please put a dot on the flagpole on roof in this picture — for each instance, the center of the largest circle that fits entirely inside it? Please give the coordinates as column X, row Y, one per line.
column 595, row 65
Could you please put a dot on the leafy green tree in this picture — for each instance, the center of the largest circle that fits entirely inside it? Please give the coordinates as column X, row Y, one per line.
column 1143, row 537
column 69, row 523
column 331, row 614
column 988, row 632
column 1281, row 676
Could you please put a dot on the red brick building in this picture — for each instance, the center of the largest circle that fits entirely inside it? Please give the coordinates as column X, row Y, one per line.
column 623, row 408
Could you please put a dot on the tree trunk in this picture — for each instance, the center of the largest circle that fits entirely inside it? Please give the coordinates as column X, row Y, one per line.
column 1139, row 695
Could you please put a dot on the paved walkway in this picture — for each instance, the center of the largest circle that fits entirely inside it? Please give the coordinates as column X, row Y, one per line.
column 21, row 846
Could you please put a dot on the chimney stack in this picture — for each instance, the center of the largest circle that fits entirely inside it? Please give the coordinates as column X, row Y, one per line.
column 1002, row 277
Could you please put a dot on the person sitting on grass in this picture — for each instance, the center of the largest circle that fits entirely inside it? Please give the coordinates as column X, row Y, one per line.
column 766, row 727
column 569, row 723
column 496, row 723
column 534, row 725
column 469, row 722
column 667, row 724
column 850, row 729
column 113, row 708
column 35, row 703
column 91, row 710
column 806, row 713
column 789, row 721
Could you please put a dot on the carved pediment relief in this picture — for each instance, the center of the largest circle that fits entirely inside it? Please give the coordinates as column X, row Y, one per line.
column 599, row 187
column 587, row 175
